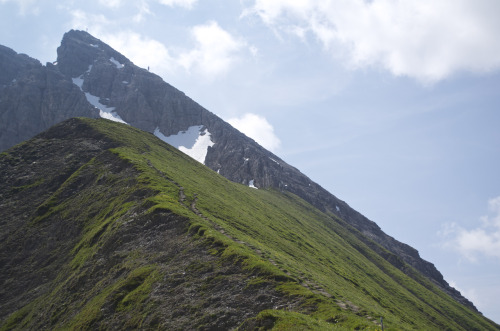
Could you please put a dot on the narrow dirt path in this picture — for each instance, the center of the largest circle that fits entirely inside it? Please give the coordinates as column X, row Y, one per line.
column 307, row 283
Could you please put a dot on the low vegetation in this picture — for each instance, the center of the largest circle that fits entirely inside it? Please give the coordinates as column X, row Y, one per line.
column 325, row 276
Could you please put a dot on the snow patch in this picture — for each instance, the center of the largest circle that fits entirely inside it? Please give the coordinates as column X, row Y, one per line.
column 94, row 45
column 274, row 161
column 125, row 82
column 192, row 142
column 338, row 209
column 78, row 81
column 116, row 63
column 104, row 111
column 250, row 184
column 246, row 159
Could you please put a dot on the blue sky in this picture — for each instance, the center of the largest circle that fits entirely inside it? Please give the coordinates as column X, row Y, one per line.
column 393, row 106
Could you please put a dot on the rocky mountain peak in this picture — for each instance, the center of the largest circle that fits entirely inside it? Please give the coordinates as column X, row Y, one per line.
column 79, row 50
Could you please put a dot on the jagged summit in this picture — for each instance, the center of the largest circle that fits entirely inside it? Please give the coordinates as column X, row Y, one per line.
column 91, row 79
column 79, row 50
column 11, row 64
column 33, row 97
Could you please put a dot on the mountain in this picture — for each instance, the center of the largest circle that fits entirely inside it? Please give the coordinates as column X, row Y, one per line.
column 130, row 233
column 34, row 97
column 91, row 79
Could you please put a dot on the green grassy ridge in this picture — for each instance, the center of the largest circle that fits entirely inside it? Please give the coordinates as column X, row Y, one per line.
column 308, row 247
column 99, row 217
column 302, row 240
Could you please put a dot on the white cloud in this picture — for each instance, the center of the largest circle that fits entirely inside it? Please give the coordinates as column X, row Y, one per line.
column 483, row 240
column 188, row 4
column 215, row 51
column 96, row 24
column 470, row 294
column 143, row 10
column 143, row 51
column 428, row 40
column 25, row 6
column 257, row 128
column 111, row 3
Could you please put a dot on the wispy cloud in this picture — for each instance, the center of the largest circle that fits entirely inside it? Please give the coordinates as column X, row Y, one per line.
column 215, row 50
column 483, row 240
column 95, row 23
column 111, row 3
column 143, row 51
column 425, row 39
column 188, row 4
column 470, row 294
column 257, row 128
column 25, row 6
column 143, row 10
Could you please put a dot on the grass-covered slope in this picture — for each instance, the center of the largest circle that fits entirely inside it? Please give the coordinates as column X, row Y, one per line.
column 131, row 233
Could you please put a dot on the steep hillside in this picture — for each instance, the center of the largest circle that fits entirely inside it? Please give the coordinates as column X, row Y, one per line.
column 91, row 79
column 131, row 233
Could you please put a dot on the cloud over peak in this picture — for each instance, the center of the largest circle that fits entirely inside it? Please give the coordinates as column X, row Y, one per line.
column 214, row 50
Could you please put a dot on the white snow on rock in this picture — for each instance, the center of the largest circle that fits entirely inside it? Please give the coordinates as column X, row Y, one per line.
column 78, row 81
column 104, row 111
column 116, row 63
column 274, row 160
column 192, row 142
column 125, row 82
column 94, row 45
column 250, row 184
column 338, row 209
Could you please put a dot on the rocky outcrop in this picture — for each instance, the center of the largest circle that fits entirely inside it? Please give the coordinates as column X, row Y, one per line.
column 34, row 97
column 88, row 68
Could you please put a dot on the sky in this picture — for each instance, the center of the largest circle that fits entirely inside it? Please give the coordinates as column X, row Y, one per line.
column 392, row 106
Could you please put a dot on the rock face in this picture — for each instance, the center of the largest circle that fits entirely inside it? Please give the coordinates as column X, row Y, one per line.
column 89, row 71
column 34, row 97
